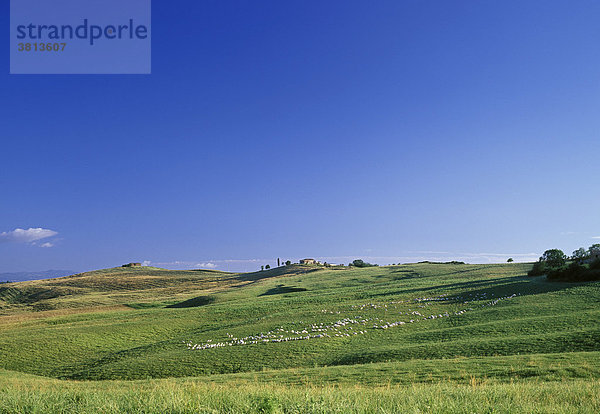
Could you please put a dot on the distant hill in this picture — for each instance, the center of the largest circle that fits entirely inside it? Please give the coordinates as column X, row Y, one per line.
column 132, row 286
column 45, row 274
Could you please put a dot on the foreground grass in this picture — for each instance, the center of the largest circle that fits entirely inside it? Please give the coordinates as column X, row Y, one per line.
column 545, row 383
column 21, row 393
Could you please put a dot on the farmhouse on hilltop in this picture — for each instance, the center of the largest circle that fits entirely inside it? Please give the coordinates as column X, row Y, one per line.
column 308, row 261
column 132, row 265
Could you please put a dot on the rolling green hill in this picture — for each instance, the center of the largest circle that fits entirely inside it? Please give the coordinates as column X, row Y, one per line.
column 303, row 326
column 132, row 286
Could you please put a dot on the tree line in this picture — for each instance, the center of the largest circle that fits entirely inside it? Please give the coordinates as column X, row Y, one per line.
column 583, row 265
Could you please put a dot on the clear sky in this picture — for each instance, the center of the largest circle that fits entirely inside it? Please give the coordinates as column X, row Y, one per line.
column 388, row 130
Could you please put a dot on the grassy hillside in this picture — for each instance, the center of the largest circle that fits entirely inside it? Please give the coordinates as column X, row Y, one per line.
column 304, row 326
column 132, row 286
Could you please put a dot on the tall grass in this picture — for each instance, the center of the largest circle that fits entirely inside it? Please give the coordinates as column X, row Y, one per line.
column 191, row 396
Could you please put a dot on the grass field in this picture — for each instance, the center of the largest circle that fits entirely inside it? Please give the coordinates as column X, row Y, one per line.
column 26, row 394
column 413, row 338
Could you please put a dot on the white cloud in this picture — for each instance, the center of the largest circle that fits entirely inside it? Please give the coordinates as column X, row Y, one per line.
column 26, row 236
column 146, row 263
column 207, row 265
column 596, row 237
column 47, row 244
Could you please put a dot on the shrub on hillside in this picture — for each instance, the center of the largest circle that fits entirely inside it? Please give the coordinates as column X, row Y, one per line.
column 361, row 263
column 570, row 272
column 576, row 272
column 538, row 269
column 590, row 275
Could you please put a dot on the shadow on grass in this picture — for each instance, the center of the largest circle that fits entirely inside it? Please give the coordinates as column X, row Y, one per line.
column 522, row 285
column 291, row 270
column 194, row 302
column 281, row 289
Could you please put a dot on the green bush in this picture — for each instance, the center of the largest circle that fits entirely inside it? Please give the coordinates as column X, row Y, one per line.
column 576, row 272
column 538, row 269
column 361, row 263
column 570, row 272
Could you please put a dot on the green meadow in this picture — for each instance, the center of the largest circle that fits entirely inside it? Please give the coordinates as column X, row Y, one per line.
column 411, row 338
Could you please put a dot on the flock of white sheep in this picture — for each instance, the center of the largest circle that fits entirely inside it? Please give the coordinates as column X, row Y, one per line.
column 348, row 327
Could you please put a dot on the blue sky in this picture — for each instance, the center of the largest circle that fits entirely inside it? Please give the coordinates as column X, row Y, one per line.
column 390, row 130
